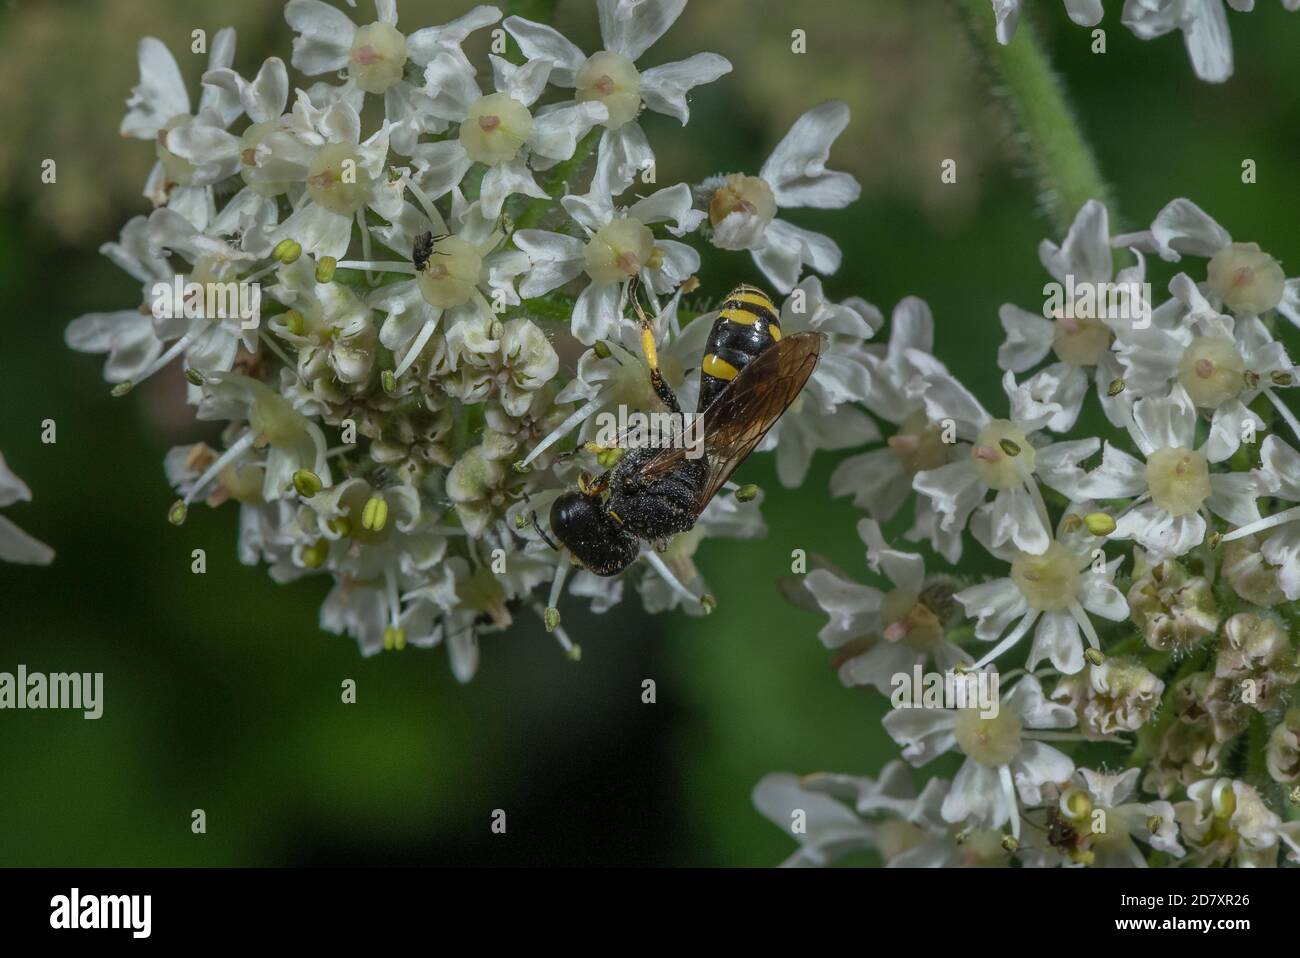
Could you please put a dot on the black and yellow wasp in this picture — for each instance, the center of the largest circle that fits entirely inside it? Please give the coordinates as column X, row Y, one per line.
column 749, row 376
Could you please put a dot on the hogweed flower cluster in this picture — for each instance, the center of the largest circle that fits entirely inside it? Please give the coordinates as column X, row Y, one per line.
column 405, row 326
column 1149, row 593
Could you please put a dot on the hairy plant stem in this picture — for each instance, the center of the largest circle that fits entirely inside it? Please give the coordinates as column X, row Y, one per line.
column 1022, row 78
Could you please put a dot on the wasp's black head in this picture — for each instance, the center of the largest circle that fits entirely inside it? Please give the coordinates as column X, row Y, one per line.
column 594, row 536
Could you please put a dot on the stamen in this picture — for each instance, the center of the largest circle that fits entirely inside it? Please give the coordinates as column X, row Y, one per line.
column 560, row 431
column 1016, row 634
column 1263, row 525
column 417, row 346
column 662, row 568
column 383, row 266
column 176, row 348
column 1009, row 793
column 1285, row 413
column 241, row 446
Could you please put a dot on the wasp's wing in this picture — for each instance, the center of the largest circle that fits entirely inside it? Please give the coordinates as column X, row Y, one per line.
column 742, row 415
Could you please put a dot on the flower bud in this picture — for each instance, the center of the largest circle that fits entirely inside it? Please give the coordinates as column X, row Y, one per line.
column 1174, row 610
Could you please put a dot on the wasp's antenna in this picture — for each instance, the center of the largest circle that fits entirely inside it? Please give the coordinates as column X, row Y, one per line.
column 532, row 516
column 537, row 526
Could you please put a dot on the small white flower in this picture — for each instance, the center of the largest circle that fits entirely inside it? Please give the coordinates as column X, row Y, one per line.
column 331, row 329
column 610, row 77
column 466, row 277
column 881, row 634
column 743, row 209
column 497, row 129
column 1080, row 342
column 1239, row 276
column 290, row 439
column 618, row 248
column 16, row 545
column 620, row 377
column 1175, row 491
column 999, row 456
column 195, row 150
column 343, row 176
column 1086, row 13
column 240, row 480
column 1005, row 756
column 1221, row 363
column 1055, row 589
column 1120, row 695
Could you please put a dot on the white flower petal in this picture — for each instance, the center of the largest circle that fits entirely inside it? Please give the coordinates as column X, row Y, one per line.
column 632, row 35
column 595, row 314
column 160, row 95
column 664, row 88
column 18, row 546
column 539, row 41
column 555, row 259
column 796, row 170
column 324, row 40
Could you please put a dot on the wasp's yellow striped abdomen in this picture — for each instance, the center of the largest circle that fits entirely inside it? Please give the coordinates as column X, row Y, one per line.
column 747, row 324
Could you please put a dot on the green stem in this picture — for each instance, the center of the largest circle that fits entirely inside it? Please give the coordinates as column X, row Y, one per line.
column 1063, row 162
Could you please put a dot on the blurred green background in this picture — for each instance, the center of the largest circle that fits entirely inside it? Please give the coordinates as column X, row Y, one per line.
column 220, row 691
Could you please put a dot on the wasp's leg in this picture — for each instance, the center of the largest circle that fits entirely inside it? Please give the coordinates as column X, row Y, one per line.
column 651, row 352
column 593, row 487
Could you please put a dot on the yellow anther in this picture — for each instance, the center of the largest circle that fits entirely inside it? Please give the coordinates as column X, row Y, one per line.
column 314, row 555
column 177, row 513
column 306, row 483
column 1099, row 523
column 287, row 251
column 374, row 516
